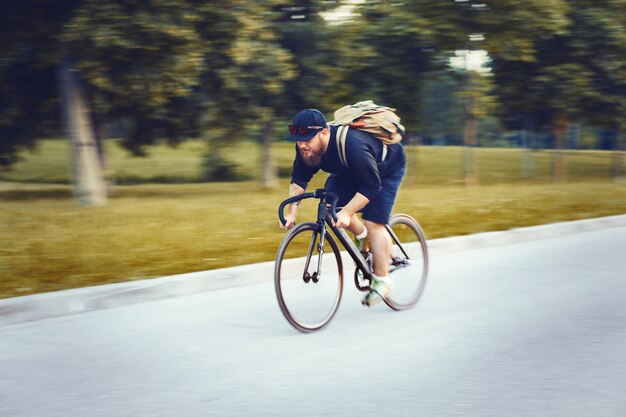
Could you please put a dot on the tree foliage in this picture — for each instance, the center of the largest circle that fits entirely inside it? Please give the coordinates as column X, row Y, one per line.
column 28, row 96
column 173, row 69
column 576, row 73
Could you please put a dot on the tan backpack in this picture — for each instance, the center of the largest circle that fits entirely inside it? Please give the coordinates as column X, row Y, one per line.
column 381, row 121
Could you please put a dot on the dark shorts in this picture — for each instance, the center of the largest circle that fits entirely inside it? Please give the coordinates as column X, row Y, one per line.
column 377, row 210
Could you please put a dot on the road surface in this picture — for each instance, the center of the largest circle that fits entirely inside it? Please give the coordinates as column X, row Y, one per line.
column 524, row 329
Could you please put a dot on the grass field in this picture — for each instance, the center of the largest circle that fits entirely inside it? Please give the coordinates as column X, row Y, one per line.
column 169, row 223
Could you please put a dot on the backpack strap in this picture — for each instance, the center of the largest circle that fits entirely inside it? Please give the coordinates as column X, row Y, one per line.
column 342, row 133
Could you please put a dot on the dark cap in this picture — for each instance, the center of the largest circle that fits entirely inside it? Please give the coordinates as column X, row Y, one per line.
column 305, row 125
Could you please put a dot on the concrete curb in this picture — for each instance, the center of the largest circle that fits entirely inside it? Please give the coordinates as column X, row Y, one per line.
column 40, row 306
column 524, row 234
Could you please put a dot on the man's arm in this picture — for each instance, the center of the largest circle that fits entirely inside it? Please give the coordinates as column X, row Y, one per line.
column 357, row 202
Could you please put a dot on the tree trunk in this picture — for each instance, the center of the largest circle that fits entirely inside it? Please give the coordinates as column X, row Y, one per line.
column 573, row 136
column 98, row 130
column 99, row 135
column 469, row 155
column 528, row 160
column 529, row 169
column 269, row 175
column 559, row 168
column 412, row 149
column 618, row 155
column 89, row 184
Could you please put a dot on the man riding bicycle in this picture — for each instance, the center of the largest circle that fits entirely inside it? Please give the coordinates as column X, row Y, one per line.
column 368, row 183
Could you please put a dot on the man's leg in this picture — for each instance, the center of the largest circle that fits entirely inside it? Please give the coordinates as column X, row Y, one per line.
column 376, row 214
column 356, row 225
column 380, row 246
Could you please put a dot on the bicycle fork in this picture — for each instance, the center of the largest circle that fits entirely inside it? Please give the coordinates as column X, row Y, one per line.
column 306, row 276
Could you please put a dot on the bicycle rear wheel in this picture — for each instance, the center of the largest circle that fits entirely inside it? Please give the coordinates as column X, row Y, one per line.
column 308, row 299
column 409, row 268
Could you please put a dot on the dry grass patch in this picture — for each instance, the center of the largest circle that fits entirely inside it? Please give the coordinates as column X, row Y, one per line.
column 49, row 243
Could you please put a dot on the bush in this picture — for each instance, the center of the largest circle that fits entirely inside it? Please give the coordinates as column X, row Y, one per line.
column 216, row 168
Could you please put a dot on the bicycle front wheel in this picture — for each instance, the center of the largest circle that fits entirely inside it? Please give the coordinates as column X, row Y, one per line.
column 409, row 266
column 308, row 288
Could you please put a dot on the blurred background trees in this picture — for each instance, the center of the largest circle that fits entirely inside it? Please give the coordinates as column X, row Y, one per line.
column 482, row 73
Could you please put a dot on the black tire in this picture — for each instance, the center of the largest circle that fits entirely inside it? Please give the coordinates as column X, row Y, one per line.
column 408, row 274
column 307, row 301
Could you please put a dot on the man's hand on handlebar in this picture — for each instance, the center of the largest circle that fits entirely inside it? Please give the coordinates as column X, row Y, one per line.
column 343, row 219
column 292, row 212
column 288, row 221
column 290, row 218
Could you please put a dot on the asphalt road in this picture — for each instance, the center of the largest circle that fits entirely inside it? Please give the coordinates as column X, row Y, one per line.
column 525, row 329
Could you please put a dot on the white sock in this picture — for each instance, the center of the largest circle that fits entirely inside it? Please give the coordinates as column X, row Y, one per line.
column 363, row 235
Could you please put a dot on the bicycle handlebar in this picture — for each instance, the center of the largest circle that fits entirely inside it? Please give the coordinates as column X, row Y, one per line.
column 321, row 194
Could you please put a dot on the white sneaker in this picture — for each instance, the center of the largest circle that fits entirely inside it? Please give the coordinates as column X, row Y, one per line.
column 380, row 288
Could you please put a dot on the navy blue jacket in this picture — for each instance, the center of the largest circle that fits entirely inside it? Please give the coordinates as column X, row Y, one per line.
column 364, row 156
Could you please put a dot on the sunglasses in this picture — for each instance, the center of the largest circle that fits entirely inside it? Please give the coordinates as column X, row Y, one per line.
column 302, row 130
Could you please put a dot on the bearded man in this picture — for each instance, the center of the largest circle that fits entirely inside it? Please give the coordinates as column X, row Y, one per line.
column 367, row 184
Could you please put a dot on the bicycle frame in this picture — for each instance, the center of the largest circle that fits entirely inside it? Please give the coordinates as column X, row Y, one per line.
column 326, row 218
column 324, row 234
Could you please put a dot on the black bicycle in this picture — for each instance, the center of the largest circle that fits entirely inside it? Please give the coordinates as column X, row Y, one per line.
column 308, row 275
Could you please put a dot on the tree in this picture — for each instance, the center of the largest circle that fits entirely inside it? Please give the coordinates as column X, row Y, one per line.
column 317, row 57
column 141, row 61
column 392, row 46
column 441, row 108
column 130, row 60
column 247, row 85
column 28, row 74
column 476, row 93
column 298, row 69
column 573, row 75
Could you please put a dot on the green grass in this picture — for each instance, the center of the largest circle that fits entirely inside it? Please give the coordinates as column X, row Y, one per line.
column 50, row 163
column 154, row 229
